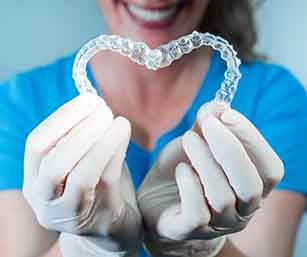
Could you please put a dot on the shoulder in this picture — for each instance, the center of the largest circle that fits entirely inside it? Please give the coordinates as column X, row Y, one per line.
column 266, row 76
column 264, row 86
column 272, row 97
column 263, row 75
column 35, row 94
column 26, row 99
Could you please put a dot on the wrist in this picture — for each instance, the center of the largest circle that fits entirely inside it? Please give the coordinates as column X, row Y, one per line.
column 122, row 238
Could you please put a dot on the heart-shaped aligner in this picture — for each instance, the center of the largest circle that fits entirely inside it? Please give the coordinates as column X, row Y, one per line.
column 163, row 56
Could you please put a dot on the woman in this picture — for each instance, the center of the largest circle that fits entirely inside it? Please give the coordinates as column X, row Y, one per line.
column 203, row 187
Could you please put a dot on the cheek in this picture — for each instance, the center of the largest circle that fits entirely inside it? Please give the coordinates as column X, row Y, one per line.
column 108, row 10
column 104, row 5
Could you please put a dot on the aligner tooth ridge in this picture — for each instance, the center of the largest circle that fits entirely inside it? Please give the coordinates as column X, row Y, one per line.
column 160, row 57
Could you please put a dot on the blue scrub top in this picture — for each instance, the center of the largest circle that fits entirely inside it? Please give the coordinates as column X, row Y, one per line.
column 268, row 95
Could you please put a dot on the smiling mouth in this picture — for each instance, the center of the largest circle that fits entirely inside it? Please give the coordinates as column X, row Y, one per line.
column 154, row 17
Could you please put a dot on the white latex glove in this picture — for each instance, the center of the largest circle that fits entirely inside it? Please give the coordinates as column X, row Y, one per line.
column 206, row 184
column 76, row 181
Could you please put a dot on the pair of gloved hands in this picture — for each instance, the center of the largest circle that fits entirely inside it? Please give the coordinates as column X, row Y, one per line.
column 204, row 185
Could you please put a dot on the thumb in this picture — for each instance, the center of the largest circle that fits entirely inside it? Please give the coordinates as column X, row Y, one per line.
column 191, row 213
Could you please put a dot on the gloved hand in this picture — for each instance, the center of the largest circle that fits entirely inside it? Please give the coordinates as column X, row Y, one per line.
column 77, row 183
column 206, row 184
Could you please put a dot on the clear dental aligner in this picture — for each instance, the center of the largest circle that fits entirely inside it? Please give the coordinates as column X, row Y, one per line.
column 160, row 57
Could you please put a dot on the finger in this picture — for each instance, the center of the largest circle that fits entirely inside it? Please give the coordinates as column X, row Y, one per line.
column 193, row 204
column 217, row 190
column 164, row 170
column 109, row 184
column 210, row 109
column 69, row 149
column 113, row 172
column 82, row 196
column 121, row 129
column 192, row 212
column 239, row 169
column 207, row 109
column 170, row 157
column 101, row 158
column 268, row 164
column 45, row 136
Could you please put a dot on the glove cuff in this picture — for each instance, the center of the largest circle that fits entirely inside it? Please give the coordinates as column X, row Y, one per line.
column 87, row 246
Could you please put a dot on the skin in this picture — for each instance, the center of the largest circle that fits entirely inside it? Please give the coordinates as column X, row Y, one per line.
column 150, row 92
column 142, row 96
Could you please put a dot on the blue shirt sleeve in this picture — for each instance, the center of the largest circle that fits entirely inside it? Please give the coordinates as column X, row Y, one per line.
column 25, row 101
column 15, row 124
column 281, row 117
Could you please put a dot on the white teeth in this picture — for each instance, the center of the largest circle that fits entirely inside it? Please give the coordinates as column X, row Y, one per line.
column 152, row 15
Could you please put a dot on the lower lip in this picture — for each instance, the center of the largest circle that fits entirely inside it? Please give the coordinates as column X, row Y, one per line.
column 153, row 24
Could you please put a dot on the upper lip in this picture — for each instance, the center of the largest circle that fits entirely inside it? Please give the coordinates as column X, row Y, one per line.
column 157, row 5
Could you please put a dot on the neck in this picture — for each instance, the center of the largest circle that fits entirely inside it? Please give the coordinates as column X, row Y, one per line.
column 116, row 74
column 153, row 101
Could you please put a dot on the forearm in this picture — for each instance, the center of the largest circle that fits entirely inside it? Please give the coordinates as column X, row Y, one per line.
column 70, row 245
column 54, row 251
column 230, row 250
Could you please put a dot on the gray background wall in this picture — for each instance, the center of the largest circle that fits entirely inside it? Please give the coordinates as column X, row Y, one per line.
column 36, row 32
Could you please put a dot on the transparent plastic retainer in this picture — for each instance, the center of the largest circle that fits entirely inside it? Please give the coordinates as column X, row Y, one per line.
column 161, row 57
